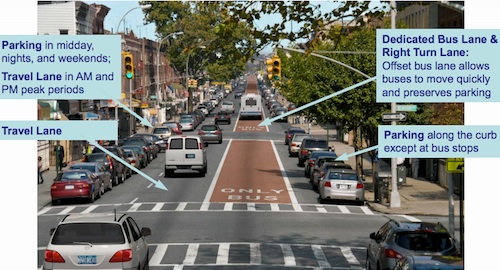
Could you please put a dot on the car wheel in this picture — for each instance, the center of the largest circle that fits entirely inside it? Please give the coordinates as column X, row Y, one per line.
column 367, row 263
column 116, row 180
column 123, row 177
column 110, row 187
column 321, row 200
column 220, row 141
column 55, row 202
column 92, row 198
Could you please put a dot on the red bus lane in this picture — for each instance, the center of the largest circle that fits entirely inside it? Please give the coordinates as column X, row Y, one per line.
column 251, row 173
column 251, row 125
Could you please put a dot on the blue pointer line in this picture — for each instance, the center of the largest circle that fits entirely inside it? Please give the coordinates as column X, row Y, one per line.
column 143, row 120
column 345, row 156
column 158, row 184
column 268, row 121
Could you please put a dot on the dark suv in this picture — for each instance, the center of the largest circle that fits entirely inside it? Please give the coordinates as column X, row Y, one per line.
column 312, row 144
column 121, row 171
column 396, row 239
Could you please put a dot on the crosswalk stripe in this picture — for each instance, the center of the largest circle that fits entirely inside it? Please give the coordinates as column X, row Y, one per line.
column 251, row 207
column 255, row 256
column 347, row 252
column 320, row 256
column 343, row 209
column 223, row 254
column 288, row 255
column 90, row 209
column 67, row 210
column 204, row 206
column 228, row 206
column 410, row 218
column 297, row 207
column 181, row 206
column 158, row 255
column 44, row 210
column 158, row 207
column 134, row 207
column 275, row 207
column 321, row 209
column 191, row 253
column 366, row 210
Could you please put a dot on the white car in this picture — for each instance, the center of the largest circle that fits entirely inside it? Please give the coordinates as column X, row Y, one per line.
column 215, row 101
column 295, row 142
column 185, row 152
column 203, row 108
column 97, row 241
column 227, row 106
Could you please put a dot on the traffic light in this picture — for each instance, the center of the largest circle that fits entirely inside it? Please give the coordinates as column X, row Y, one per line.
column 269, row 63
column 276, row 68
column 129, row 65
column 192, row 83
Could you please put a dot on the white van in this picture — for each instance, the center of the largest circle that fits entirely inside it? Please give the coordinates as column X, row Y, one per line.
column 185, row 152
column 251, row 106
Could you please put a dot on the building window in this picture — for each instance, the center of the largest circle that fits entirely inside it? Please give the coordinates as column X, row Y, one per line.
column 63, row 31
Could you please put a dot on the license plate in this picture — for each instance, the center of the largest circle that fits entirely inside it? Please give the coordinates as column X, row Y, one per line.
column 69, row 187
column 87, row 259
column 343, row 186
column 190, row 155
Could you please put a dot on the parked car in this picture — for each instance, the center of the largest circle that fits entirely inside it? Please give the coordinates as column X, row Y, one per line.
column 324, row 168
column 227, row 106
column 121, row 170
column 141, row 153
column 133, row 158
column 185, row 152
column 99, row 169
column 210, row 133
column 187, row 123
column 238, row 94
column 151, row 140
column 73, row 184
column 289, row 133
column 222, row 117
column 341, row 184
column 296, row 142
column 310, row 163
column 312, row 144
column 97, row 241
column 280, row 111
column 203, row 108
column 291, row 106
column 163, row 132
column 108, row 162
column 430, row 262
column 176, row 127
column 139, row 140
column 396, row 239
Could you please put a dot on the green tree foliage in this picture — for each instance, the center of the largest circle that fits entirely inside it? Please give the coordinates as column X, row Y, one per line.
column 203, row 24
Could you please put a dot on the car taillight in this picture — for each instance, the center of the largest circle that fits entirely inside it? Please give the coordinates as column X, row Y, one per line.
column 166, row 145
column 110, row 163
column 288, row 136
column 132, row 161
column 84, row 185
column 217, row 132
column 200, row 145
column 304, row 152
column 294, row 144
column 359, row 185
column 390, row 253
column 53, row 256
column 124, row 255
column 201, row 132
column 311, row 162
column 327, row 184
column 217, row 116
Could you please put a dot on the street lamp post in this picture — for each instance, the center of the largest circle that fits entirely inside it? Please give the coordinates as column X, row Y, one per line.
column 130, row 81
column 190, row 93
column 158, row 64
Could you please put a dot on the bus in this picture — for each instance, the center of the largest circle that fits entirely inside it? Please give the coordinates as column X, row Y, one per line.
column 251, row 106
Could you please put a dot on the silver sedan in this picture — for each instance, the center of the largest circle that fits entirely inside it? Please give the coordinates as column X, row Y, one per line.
column 339, row 184
column 210, row 133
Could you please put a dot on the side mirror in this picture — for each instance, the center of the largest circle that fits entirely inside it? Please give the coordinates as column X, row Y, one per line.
column 372, row 236
column 205, row 144
column 363, row 179
column 52, row 231
column 145, row 231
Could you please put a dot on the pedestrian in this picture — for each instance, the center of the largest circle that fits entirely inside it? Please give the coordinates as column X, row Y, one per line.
column 414, row 167
column 40, row 171
column 59, row 152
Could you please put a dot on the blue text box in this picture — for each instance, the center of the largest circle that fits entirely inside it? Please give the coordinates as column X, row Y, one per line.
column 437, row 65
column 429, row 141
column 59, row 130
column 60, row 67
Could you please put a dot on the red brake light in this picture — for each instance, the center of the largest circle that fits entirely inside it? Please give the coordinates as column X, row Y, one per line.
column 124, row 255
column 359, row 185
column 392, row 254
column 217, row 132
column 53, row 256
column 288, row 136
column 201, row 132
column 166, row 146
column 217, row 116
column 304, row 152
column 201, row 146
column 311, row 161
column 328, row 184
column 294, row 144
column 110, row 163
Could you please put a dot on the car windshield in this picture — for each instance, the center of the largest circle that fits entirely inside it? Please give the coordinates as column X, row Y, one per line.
column 298, row 138
column 83, row 167
column 316, row 154
column 94, row 158
column 316, row 144
column 84, row 233
column 423, row 241
column 209, row 128
column 129, row 153
column 160, row 130
column 342, row 176
column 186, row 120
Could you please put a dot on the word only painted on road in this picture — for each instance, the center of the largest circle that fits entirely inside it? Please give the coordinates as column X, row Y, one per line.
column 251, row 194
